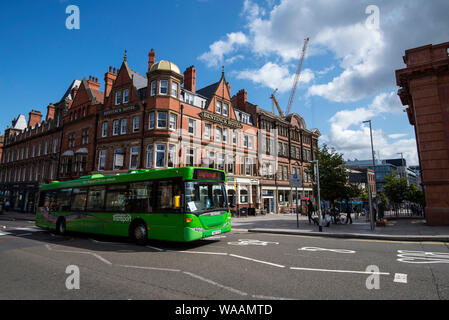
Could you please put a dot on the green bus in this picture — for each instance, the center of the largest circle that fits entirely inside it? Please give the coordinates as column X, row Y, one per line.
column 180, row 204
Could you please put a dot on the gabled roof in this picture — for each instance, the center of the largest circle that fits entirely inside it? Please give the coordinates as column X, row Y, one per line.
column 68, row 93
column 209, row 91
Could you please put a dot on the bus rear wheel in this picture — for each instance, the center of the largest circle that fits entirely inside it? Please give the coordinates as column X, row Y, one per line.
column 139, row 233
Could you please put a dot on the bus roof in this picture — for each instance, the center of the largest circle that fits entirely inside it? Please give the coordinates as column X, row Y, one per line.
column 187, row 173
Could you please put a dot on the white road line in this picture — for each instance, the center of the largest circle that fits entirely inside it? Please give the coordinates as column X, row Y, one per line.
column 341, row 271
column 400, row 278
column 270, row 298
column 149, row 268
column 259, row 261
column 33, row 229
column 200, row 252
column 241, row 293
column 154, row 248
column 316, row 249
column 81, row 252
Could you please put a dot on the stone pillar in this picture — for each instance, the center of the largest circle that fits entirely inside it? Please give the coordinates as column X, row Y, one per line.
column 425, row 89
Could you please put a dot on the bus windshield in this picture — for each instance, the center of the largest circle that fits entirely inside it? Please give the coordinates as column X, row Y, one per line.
column 205, row 196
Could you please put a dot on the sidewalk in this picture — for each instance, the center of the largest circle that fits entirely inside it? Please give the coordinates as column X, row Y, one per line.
column 413, row 229
column 17, row 216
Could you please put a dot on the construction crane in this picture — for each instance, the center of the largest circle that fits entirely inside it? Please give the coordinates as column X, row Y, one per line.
column 295, row 84
column 275, row 102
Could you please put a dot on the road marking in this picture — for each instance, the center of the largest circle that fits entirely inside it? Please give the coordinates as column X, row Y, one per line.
column 315, row 249
column 259, row 261
column 400, row 278
column 422, row 257
column 200, row 252
column 149, row 268
column 33, row 229
column 269, row 298
column 340, row 271
column 241, row 293
column 81, row 252
column 251, row 242
column 154, row 248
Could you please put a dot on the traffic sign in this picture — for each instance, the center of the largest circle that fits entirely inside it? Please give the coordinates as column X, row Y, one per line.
column 295, row 181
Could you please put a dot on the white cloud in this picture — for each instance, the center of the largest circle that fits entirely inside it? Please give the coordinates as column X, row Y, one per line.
column 275, row 76
column 352, row 138
column 219, row 49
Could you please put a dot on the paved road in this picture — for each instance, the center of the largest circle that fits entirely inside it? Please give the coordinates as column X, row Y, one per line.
column 237, row 265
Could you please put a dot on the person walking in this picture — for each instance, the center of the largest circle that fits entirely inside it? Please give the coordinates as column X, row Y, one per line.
column 348, row 216
column 310, row 210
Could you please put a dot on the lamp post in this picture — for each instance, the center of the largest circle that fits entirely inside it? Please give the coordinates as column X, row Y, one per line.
column 373, row 225
column 317, row 171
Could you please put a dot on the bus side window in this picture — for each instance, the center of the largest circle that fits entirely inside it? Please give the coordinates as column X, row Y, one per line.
column 63, row 200
column 79, row 199
column 117, row 198
column 95, row 198
column 165, row 193
column 141, row 196
column 48, row 199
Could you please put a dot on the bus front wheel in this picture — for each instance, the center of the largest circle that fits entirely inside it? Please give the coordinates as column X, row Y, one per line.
column 138, row 232
column 61, row 226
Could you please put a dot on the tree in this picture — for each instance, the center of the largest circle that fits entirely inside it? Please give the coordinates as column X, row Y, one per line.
column 333, row 176
column 395, row 189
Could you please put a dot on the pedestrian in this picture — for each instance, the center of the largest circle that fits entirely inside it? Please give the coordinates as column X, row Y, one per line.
column 310, row 210
column 348, row 216
column 7, row 205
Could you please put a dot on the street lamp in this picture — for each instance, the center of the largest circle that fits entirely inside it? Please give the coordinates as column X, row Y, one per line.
column 373, row 226
column 317, row 172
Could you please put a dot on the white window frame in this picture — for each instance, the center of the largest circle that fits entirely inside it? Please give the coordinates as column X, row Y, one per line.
column 174, row 89
column 166, row 119
column 173, row 125
column 118, row 98
column 102, row 156
column 104, row 130
column 123, row 126
column 163, row 86
column 151, row 123
column 207, row 131
column 126, row 96
column 136, row 124
column 116, row 127
column 135, row 154
column 153, row 89
column 192, row 126
column 218, row 107
column 150, row 150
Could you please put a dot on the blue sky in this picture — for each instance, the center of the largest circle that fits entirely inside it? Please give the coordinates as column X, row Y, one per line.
column 348, row 75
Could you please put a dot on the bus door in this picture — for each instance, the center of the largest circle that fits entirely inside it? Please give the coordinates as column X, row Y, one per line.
column 166, row 220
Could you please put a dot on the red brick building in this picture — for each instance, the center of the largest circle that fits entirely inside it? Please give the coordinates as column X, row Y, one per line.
column 425, row 90
column 80, row 129
column 159, row 120
column 32, row 153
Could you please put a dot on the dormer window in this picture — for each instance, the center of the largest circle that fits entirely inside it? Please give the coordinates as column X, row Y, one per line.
column 118, row 98
column 225, row 109
column 163, row 87
column 126, row 96
column 218, row 108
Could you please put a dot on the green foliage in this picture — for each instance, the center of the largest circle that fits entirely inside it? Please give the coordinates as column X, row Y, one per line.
column 397, row 191
column 333, row 176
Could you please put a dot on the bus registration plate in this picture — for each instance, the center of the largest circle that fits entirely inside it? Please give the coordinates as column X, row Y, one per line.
column 214, row 233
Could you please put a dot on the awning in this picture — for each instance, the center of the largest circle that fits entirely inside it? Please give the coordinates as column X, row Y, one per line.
column 82, row 150
column 68, row 154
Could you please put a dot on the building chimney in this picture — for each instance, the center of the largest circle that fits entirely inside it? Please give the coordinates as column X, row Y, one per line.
column 93, row 83
column 241, row 99
column 109, row 79
column 35, row 117
column 151, row 59
column 50, row 112
column 229, row 88
column 190, row 79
